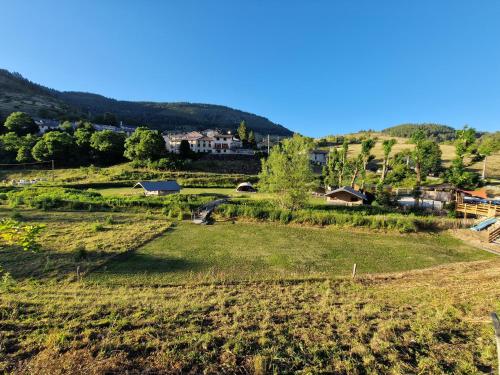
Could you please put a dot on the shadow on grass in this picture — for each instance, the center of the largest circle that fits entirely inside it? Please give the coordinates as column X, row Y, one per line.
column 45, row 264
column 148, row 264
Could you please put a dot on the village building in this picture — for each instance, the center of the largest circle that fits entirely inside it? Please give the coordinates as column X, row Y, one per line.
column 208, row 141
column 346, row 196
column 45, row 125
column 318, row 156
column 159, row 187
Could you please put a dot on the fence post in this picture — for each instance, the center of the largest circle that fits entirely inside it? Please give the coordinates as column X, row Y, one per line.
column 354, row 271
column 496, row 327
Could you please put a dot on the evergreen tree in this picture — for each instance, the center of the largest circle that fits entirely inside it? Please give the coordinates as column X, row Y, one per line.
column 251, row 140
column 242, row 132
column 185, row 149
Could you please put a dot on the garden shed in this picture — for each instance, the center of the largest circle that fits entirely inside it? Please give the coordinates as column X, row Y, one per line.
column 346, row 196
column 159, row 187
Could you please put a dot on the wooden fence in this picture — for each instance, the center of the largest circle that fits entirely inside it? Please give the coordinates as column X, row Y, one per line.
column 494, row 234
column 487, row 210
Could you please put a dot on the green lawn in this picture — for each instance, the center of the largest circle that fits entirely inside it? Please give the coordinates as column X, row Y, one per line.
column 226, row 251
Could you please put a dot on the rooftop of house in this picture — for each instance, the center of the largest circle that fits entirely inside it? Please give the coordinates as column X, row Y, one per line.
column 158, row 185
column 349, row 190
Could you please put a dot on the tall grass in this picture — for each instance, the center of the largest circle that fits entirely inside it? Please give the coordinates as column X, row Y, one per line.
column 367, row 217
column 46, row 198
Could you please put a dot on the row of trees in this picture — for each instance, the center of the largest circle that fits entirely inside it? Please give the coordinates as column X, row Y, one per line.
column 75, row 146
column 288, row 172
column 246, row 137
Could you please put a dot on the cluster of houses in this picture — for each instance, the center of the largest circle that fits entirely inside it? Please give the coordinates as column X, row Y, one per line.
column 207, row 141
column 45, row 125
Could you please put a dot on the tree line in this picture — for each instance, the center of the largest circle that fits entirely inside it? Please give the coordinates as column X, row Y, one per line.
column 288, row 172
column 435, row 132
column 80, row 145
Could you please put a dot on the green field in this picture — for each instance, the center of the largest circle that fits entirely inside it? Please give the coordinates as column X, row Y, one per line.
column 260, row 251
column 164, row 296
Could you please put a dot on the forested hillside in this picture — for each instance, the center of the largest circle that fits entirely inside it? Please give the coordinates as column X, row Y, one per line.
column 20, row 94
column 436, row 132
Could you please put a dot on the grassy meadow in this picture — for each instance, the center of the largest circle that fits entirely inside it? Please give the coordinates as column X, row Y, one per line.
column 433, row 321
column 248, row 294
column 229, row 251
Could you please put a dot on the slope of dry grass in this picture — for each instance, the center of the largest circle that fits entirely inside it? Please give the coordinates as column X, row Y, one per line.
column 432, row 321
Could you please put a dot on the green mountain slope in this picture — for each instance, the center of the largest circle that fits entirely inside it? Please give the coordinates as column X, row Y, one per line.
column 20, row 94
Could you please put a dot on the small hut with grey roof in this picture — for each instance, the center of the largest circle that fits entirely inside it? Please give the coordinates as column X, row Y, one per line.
column 159, row 187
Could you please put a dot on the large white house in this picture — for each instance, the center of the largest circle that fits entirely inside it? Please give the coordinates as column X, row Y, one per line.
column 208, row 141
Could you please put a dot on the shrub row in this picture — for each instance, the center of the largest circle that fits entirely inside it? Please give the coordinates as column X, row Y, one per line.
column 400, row 222
column 75, row 199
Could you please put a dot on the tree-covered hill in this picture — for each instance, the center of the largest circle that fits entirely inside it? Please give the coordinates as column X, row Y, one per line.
column 19, row 94
column 436, row 132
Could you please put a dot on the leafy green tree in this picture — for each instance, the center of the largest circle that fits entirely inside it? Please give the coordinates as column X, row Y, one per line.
column 465, row 144
column 331, row 171
column 54, row 146
column 16, row 148
column 242, row 132
column 144, row 144
column 465, row 141
column 432, row 163
column 366, row 147
column 343, row 161
column 109, row 145
column 488, row 145
column 418, row 155
column 387, row 145
column 82, row 135
column 287, row 172
column 67, row 127
column 24, row 151
column 20, row 123
column 355, row 165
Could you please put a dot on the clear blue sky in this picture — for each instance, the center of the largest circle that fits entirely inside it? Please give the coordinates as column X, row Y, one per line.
column 317, row 67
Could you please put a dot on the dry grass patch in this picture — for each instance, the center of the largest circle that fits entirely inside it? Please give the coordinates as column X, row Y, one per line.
column 433, row 321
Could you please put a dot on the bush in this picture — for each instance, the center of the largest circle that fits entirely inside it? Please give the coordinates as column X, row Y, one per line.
column 359, row 217
column 98, row 227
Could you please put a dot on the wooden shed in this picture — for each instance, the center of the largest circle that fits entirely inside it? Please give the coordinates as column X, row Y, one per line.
column 159, row 187
column 346, row 196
